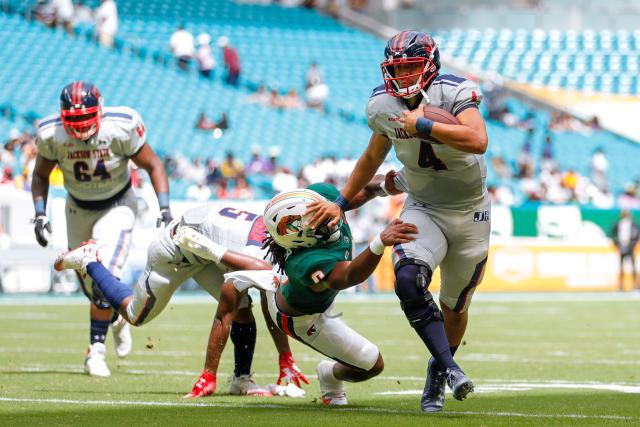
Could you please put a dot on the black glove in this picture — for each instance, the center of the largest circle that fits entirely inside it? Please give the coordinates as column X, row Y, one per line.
column 165, row 217
column 42, row 223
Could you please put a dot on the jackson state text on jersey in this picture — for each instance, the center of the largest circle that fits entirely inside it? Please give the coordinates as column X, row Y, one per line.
column 98, row 168
column 433, row 173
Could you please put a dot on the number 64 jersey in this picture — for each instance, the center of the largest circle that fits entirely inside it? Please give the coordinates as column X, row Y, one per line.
column 96, row 169
column 433, row 173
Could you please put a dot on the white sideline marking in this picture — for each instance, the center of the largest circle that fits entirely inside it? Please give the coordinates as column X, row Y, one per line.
column 303, row 408
column 526, row 386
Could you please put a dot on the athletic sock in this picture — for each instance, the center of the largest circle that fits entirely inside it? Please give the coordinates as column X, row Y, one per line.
column 243, row 336
column 435, row 338
column 113, row 290
column 98, row 330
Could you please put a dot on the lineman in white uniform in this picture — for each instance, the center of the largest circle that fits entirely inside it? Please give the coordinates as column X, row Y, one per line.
column 203, row 244
column 444, row 175
column 92, row 146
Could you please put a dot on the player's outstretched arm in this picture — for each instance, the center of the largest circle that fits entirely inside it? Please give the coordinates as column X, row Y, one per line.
column 379, row 186
column 39, row 193
column 347, row 274
column 366, row 167
column 289, row 371
column 147, row 159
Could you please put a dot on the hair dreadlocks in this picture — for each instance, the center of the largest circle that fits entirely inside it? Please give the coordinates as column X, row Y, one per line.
column 276, row 253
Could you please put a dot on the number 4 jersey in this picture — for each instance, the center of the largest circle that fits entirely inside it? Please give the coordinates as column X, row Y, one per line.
column 96, row 169
column 433, row 173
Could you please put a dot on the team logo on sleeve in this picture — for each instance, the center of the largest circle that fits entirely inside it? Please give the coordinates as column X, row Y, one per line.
column 289, row 224
column 317, row 276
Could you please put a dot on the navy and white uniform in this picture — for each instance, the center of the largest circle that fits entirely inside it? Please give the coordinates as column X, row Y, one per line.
column 447, row 196
column 101, row 205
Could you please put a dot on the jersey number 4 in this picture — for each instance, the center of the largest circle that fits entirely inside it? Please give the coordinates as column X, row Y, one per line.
column 428, row 159
column 82, row 173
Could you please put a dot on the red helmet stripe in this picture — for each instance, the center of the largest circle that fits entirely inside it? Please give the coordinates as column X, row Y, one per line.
column 404, row 36
column 79, row 100
column 73, row 93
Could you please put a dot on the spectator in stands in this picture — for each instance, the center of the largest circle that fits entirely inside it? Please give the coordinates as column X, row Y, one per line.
column 257, row 164
column 599, row 167
column 284, row 180
column 223, row 192
column 7, row 176
column 183, row 47
column 206, row 61
column 106, row 22
column 594, row 124
column 231, row 167
column 275, row 99
column 524, row 162
column 213, row 172
column 44, row 12
column 548, row 159
column 242, row 190
column 260, row 96
column 231, row 61
column 625, row 235
column 628, row 200
column 316, row 90
column 199, row 192
column 204, row 123
column 82, row 14
column 291, row 101
column 63, row 14
column 501, row 168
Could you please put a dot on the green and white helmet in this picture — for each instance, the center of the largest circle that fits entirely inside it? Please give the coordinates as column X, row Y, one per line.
column 285, row 220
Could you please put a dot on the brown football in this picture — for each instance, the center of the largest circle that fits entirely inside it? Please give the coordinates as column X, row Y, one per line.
column 441, row 116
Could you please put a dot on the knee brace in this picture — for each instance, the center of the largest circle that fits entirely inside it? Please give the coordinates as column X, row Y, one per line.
column 412, row 287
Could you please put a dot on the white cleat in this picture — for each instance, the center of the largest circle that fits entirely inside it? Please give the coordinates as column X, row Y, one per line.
column 244, row 385
column 78, row 258
column 332, row 389
column 121, row 336
column 95, row 364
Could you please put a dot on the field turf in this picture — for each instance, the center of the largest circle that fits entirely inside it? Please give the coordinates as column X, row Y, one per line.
column 535, row 360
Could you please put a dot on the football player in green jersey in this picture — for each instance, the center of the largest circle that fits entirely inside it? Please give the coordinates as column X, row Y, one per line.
column 311, row 267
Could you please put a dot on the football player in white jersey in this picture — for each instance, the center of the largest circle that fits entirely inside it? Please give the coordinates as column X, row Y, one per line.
column 203, row 244
column 92, row 145
column 444, row 176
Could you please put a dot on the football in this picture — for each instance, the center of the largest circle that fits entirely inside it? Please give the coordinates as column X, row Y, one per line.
column 439, row 115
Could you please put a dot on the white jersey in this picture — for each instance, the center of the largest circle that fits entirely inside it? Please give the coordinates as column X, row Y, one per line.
column 433, row 173
column 98, row 168
column 238, row 230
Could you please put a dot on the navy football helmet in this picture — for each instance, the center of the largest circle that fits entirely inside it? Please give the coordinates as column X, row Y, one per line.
column 81, row 109
column 410, row 47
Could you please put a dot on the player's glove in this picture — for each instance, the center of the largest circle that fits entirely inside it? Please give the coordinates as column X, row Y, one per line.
column 42, row 223
column 164, row 218
column 205, row 386
column 289, row 371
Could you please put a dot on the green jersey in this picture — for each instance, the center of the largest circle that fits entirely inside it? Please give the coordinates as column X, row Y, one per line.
column 308, row 266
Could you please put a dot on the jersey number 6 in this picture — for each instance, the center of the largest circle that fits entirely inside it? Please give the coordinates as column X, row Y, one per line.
column 428, row 159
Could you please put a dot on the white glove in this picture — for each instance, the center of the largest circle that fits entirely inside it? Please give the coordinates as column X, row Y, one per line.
column 188, row 239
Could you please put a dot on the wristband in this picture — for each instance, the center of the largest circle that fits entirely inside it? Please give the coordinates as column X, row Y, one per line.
column 163, row 200
column 342, row 203
column 376, row 246
column 423, row 127
column 41, row 208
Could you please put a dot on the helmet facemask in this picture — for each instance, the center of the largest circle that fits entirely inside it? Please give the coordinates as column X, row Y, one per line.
column 82, row 123
column 401, row 87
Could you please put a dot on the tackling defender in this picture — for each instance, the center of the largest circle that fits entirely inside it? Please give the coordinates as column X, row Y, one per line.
column 444, row 175
column 93, row 145
column 202, row 244
column 318, row 264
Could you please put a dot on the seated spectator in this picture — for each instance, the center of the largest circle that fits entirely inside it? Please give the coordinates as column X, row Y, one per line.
column 231, row 168
column 291, row 101
column 316, row 90
column 257, row 164
column 260, row 97
column 183, row 47
column 242, row 190
column 199, row 192
column 628, row 200
column 222, row 192
column 206, row 61
column 106, row 22
column 204, row 123
column 7, row 176
column 284, row 180
column 82, row 13
column 275, row 100
column 63, row 14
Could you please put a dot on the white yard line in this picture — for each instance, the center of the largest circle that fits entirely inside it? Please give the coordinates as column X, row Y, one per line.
column 302, row 408
column 531, row 385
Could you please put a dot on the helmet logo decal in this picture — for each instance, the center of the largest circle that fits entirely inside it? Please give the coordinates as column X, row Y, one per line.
column 287, row 224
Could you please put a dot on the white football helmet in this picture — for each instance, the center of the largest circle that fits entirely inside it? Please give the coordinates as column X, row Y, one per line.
column 285, row 220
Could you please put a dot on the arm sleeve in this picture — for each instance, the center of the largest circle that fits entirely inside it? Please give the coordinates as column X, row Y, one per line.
column 468, row 95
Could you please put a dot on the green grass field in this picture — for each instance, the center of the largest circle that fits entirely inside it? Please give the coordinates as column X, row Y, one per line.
column 535, row 360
